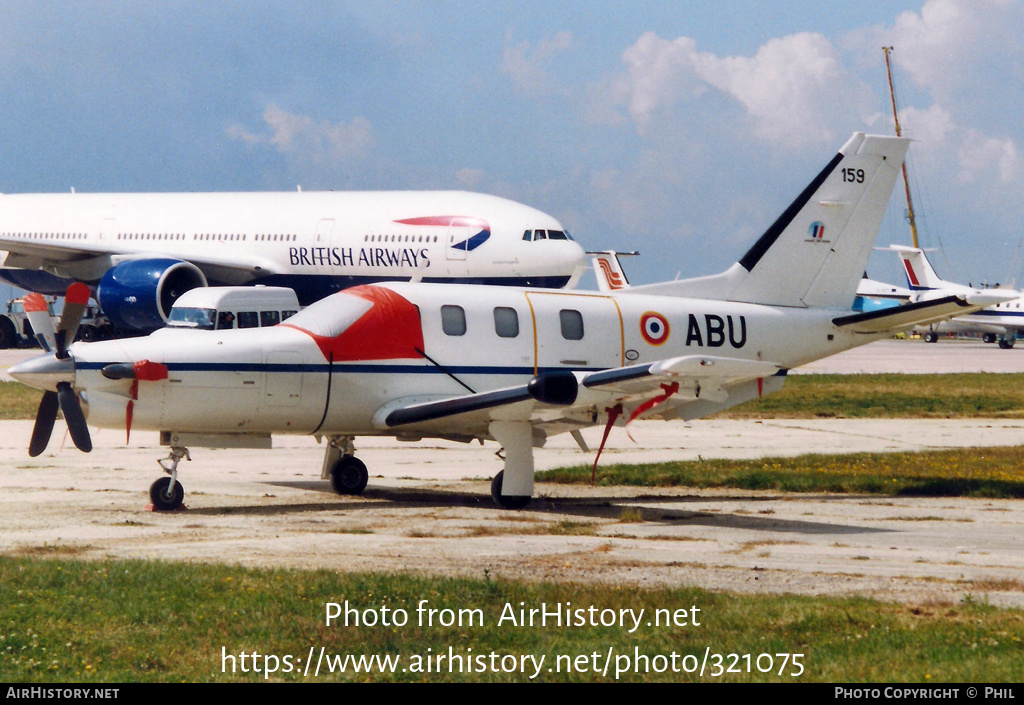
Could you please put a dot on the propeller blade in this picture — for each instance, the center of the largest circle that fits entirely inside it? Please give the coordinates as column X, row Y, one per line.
column 38, row 312
column 72, row 409
column 75, row 301
column 45, row 417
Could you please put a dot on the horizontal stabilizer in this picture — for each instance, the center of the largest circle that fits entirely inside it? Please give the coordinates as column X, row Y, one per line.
column 925, row 310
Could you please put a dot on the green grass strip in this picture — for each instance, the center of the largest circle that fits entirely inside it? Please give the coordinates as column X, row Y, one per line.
column 134, row 621
column 961, row 472
column 975, row 395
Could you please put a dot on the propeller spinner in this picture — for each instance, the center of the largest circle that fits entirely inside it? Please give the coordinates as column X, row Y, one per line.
column 55, row 374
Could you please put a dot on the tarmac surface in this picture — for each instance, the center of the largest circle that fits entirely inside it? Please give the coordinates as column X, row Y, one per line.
column 427, row 507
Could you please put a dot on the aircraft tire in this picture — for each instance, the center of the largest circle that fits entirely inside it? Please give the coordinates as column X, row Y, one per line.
column 161, row 501
column 931, row 337
column 349, row 475
column 1005, row 344
column 988, row 338
column 505, row 502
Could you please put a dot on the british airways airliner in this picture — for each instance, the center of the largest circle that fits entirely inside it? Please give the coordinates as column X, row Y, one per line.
column 139, row 252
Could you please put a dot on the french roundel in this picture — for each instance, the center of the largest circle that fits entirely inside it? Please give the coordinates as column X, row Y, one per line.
column 654, row 328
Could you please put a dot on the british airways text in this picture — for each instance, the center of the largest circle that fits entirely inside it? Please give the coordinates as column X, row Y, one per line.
column 365, row 257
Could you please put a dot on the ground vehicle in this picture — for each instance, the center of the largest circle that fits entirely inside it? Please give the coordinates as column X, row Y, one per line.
column 15, row 329
column 220, row 307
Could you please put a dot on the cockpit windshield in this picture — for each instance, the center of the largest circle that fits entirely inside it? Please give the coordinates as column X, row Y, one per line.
column 535, row 235
column 200, row 318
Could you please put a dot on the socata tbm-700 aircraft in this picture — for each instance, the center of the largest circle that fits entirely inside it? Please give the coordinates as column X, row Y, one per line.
column 139, row 252
column 515, row 365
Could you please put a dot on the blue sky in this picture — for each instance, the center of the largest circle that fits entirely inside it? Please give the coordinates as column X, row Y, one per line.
column 680, row 129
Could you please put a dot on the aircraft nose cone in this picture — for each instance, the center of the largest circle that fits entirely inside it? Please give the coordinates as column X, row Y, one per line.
column 44, row 372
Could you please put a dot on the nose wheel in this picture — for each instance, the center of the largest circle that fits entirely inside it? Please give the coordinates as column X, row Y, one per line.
column 167, row 494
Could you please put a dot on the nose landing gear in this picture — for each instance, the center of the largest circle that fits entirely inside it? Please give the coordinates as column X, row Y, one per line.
column 167, row 494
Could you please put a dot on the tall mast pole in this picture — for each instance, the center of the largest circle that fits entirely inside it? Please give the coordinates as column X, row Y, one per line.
column 896, row 118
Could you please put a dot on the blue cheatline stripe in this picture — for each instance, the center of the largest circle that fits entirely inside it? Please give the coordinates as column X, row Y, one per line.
column 342, row 368
column 997, row 313
column 313, row 287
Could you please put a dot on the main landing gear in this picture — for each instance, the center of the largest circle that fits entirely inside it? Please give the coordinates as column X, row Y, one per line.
column 167, row 494
column 346, row 472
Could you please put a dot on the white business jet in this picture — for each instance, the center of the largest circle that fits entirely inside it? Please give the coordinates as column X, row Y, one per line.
column 1002, row 321
column 514, row 365
column 139, row 252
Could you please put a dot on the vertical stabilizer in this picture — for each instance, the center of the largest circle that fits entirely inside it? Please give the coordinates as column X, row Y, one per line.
column 815, row 253
column 608, row 270
column 919, row 271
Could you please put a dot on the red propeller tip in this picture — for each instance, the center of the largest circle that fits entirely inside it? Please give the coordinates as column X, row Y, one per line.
column 78, row 293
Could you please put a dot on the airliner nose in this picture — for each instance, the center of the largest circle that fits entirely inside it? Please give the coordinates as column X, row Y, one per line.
column 45, row 372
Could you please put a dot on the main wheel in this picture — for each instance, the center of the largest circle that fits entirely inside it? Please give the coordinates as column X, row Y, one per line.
column 349, row 476
column 931, row 336
column 163, row 499
column 1006, row 344
column 504, row 501
column 988, row 338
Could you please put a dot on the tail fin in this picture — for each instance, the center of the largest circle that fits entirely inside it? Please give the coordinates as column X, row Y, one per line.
column 815, row 253
column 920, row 274
column 608, row 270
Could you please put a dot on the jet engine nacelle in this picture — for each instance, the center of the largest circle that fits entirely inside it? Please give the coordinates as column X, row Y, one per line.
column 138, row 294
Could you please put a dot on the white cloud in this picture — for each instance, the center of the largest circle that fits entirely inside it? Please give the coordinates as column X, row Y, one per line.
column 792, row 92
column 528, row 67
column 979, row 156
column 944, row 45
column 318, row 142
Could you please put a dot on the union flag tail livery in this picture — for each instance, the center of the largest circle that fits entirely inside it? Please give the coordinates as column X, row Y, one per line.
column 514, row 365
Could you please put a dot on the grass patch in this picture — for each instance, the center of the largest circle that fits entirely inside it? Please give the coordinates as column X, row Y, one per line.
column 135, row 621
column 961, row 472
column 968, row 395
column 18, row 402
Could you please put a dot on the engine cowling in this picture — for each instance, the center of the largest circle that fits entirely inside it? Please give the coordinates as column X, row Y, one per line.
column 138, row 294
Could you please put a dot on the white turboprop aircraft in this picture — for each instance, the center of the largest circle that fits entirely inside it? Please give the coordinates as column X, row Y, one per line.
column 138, row 252
column 1001, row 321
column 515, row 365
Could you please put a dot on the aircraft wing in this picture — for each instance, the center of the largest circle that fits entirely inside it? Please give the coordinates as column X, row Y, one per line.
column 933, row 306
column 88, row 261
column 561, row 400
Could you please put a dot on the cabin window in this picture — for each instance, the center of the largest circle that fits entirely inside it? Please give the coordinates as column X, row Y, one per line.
column 248, row 319
column 572, row 324
column 506, row 322
column 453, row 320
column 285, row 315
column 225, row 319
column 269, row 318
